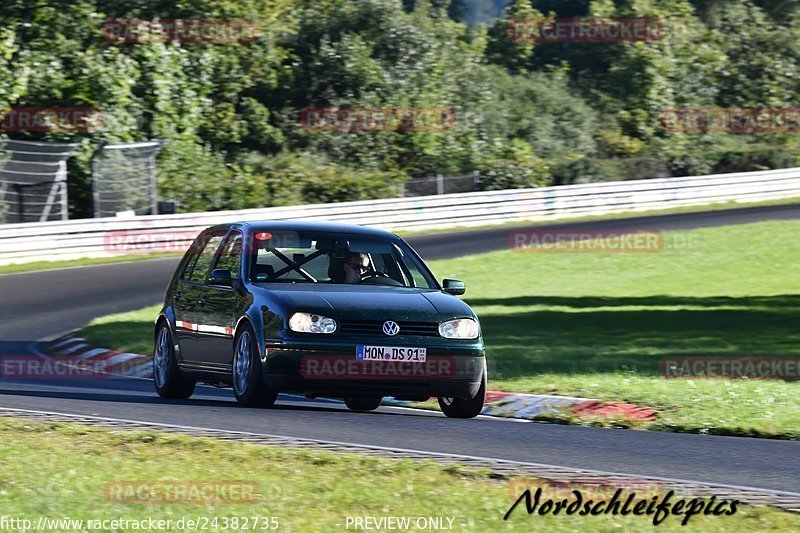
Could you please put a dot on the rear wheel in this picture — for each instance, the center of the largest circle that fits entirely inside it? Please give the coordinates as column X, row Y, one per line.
column 460, row 408
column 167, row 376
column 248, row 383
column 363, row 404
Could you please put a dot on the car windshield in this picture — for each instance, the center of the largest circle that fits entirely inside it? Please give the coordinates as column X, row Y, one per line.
column 311, row 257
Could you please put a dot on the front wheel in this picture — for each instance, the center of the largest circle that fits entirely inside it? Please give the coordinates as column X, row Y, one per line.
column 167, row 376
column 460, row 408
column 363, row 404
column 248, row 384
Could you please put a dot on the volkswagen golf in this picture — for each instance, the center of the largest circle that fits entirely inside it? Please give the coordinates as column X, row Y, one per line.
column 321, row 309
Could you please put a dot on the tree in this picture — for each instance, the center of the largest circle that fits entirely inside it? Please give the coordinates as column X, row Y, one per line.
column 508, row 44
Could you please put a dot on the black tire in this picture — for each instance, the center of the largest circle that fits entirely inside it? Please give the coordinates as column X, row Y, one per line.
column 460, row 408
column 246, row 377
column 362, row 404
column 168, row 379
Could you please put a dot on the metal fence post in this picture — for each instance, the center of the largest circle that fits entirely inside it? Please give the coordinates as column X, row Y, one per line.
column 64, row 201
column 20, row 201
column 151, row 169
column 95, row 192
column 439, row 184
column 62, row 182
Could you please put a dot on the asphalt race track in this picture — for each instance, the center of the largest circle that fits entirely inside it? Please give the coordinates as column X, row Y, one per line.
column 725, row 460
column 43, row 304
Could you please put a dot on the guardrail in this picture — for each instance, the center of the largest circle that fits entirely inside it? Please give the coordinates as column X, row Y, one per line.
column 50, row 241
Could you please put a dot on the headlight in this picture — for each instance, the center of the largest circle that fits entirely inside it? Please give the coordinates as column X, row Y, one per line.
column 308, row 323
column 461, row 328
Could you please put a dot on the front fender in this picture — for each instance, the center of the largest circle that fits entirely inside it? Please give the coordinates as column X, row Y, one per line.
column 169, row 314
column 265, row 325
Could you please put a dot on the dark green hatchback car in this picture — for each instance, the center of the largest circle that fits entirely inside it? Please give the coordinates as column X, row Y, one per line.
column 321, row 309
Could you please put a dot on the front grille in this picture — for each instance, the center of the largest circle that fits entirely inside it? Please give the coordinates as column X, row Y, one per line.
column 373, row 327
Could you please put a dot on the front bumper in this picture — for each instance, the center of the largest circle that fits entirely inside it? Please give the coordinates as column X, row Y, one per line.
column 331, row 369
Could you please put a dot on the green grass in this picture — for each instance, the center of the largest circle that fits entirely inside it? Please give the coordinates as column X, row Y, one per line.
column 61, row 470
column 130, row 332
column 596, row 325
column 46, row 265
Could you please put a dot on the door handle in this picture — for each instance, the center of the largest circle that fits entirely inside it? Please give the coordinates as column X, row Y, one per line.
column 202, row 300
column 177, row 295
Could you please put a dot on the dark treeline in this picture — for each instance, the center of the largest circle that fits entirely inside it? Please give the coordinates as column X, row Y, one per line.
column 528, row 114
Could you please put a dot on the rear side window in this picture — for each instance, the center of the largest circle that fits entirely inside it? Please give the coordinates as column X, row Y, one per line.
column 231, row 255
column 199, row 265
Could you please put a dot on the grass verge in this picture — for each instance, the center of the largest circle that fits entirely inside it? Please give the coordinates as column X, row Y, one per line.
column 597, row 324
column 73, row 471
column 130, row 332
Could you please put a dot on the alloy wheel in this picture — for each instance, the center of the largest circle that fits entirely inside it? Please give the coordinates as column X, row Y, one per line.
column 241, row 368
column 161, row 363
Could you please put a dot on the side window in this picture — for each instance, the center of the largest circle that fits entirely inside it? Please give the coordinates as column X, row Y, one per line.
column 412, row 269
column 198, row 268
column 231, row 255
column 187, row 271
column 419, row 279
column 385, row 263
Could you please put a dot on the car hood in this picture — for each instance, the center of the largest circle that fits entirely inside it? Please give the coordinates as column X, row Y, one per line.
column 365, row 302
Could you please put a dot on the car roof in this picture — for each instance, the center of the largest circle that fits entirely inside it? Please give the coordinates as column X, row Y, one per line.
column 329, row 227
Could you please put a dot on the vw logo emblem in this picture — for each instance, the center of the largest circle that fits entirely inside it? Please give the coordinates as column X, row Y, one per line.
column 391, row 328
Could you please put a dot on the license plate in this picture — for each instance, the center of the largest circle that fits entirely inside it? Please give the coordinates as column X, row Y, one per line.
column 390, row 353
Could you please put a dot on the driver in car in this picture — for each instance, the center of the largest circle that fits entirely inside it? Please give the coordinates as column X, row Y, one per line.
column 355, row 264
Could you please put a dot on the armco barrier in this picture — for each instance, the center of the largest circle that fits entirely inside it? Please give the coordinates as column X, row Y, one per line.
column 49, row 241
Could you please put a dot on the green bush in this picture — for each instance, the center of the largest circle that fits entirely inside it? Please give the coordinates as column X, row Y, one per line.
column 193, row 175
column 300, row 178
column 514, row 166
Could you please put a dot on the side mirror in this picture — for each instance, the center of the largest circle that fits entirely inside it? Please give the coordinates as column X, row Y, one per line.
column 220, row 276
column 454, row 286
